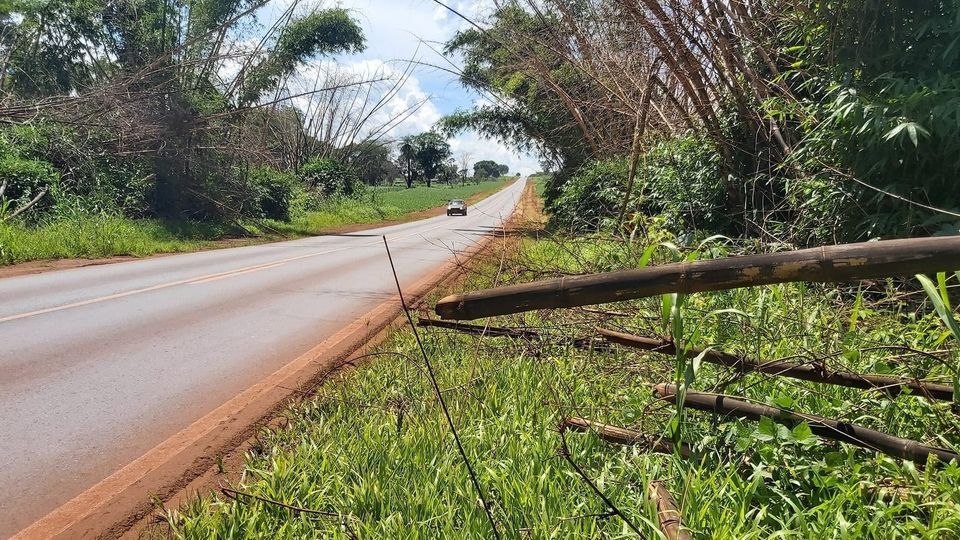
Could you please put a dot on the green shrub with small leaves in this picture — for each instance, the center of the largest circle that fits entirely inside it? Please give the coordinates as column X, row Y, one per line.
column 330, row 178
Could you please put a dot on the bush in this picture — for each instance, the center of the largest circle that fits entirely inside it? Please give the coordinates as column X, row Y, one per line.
column 681, row 179
column 102, row 181
column 330, row 178
column 678, row 179
column 273, row 191
column 25, row 179
column 592, row 195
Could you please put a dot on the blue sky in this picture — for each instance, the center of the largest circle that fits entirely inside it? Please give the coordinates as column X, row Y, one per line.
column 397, row 30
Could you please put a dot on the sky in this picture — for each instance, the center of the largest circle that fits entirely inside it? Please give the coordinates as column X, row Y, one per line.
column 398, row 30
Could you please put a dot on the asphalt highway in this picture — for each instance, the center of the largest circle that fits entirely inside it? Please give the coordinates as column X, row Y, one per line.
column 100, row 364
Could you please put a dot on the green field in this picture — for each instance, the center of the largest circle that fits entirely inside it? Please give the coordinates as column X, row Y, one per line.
column 374, row 451
column 380, row 205
column 95, row 236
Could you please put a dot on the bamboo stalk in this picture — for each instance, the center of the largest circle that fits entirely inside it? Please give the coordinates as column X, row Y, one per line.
column 807, row 372
column 516, row 333
column 627, row 437
column 845, row 262
column 824, row 427
column 668, row 514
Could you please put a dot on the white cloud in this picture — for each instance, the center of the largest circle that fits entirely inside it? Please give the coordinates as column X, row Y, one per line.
column 394, row 30
column 478, row 148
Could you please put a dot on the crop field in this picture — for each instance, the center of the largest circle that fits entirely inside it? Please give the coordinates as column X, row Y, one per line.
column 370, row 455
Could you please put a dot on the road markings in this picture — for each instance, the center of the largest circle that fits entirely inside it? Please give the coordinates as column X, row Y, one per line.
column 197, row 280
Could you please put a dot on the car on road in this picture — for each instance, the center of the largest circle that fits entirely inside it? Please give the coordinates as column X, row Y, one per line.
column 457, row 206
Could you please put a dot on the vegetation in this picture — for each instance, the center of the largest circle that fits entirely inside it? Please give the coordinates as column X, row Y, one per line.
column 104, row 235
column 184, row 117
column 489, row 169
column 426, row 156
column 809, row 122
column 373, row 450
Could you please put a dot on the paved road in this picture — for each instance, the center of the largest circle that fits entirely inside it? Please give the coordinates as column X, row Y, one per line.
column 99, row 364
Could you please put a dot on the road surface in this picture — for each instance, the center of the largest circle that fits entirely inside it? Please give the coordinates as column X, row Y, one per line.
column 100, row 364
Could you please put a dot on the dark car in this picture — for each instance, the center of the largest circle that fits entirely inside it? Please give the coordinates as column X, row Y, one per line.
column 457, row 206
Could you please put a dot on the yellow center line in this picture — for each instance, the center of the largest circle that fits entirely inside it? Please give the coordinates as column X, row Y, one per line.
column 195, row 280
column 238, row 273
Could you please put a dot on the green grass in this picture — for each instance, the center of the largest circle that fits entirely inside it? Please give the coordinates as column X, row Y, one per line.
column 101, row 236
column 374, row 447
column 94, row 236
column 380, row 205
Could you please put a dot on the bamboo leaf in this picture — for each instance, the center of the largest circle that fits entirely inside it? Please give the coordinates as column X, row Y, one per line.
column 945, row 315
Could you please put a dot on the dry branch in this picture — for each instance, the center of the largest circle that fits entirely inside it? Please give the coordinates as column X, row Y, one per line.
column 824, row 427
column 807, row 372
column 516, row 333
column 845, row 262
column 667, row 512
column 628, row 437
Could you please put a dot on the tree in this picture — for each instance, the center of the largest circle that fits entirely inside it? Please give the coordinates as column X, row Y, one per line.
column 408, row 153
column 371, row 161
column 489, row 169
column 432, row 152
column 449, row 170
column 424, row 156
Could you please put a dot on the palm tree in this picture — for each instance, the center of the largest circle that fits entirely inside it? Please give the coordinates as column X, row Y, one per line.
column 407, row 153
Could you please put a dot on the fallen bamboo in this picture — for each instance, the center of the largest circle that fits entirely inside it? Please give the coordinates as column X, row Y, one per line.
column 516, row 333
column 627, row 437
column 480, row 330
column 807, row 372
column 668, row 514
column 845, row 262
column 824, row 427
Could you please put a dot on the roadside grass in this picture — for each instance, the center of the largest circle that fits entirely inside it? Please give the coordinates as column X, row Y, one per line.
column 96, row 236
column 372, row 447
column 102, row 236
column 380, row 205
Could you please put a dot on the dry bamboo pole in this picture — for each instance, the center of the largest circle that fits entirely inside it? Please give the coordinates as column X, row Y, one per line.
column 476, row 329
column 807, row 372
column 516, row 333
column 668, row 514
column 878, row 441
column 627, row 437
column 845, row 262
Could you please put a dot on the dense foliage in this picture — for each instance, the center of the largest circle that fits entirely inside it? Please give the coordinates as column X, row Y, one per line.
column 826, row 121
column 135, row 112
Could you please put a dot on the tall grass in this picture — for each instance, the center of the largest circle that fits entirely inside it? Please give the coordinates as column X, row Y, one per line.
column 101, row 236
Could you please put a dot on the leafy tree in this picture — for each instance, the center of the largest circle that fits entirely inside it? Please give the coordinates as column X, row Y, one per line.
column 408, row 154
column 319, row 33
column 424, row 156
column 329, row 177
column 489, row 169
column 50, row 45
column 371, row 161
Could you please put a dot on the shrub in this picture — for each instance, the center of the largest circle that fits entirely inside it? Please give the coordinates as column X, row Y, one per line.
column 273, row 191
column 678, row 178
column 329, row 177
column 592, row 195
column 681, row 179
column 25, row 179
